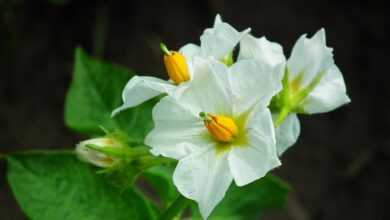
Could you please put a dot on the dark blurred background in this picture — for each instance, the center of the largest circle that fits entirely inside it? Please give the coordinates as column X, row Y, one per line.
column 339, row 169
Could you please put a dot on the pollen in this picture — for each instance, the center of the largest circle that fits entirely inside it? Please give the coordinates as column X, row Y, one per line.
column 176, row 65
column 222, row 128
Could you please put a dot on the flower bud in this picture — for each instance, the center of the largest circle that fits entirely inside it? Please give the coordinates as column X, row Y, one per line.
column 176, row 65
column 222, row 128
column 88, row 154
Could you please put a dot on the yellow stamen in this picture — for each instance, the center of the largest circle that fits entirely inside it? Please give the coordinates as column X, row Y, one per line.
column 222, row 128
column 176, row 65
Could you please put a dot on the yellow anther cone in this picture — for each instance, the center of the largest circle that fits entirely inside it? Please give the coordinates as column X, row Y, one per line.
column 222, row 128
column 176, row 65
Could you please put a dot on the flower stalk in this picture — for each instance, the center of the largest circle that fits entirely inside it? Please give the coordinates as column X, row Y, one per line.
column 149, row 161
column 176, row 208
column 164, row 49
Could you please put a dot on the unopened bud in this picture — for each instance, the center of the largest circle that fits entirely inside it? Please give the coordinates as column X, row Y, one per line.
column 90, row 155
column 176, row 65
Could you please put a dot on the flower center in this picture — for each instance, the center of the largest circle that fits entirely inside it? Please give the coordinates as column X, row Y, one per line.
column 176, row 65
column 222, row 128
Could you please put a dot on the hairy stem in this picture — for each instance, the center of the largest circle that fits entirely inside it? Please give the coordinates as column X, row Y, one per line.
column 151, row 161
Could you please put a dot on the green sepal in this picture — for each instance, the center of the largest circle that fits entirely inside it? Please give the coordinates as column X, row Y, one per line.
column 291, row 98
column 298, row 98
column 121, row 152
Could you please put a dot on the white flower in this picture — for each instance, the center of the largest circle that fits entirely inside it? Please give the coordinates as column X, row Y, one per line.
column 312, row 58
column 92, row 156
column 311, row 62
column 310, row 67
column 219, row 129
column 216, row 43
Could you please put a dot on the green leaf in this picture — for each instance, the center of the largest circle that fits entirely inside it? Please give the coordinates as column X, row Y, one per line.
column 51, row 186
column 95, row 91
column 248, row 202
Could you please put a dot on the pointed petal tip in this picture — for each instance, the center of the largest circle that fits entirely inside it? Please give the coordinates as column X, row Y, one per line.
column 320, row 36
column 204, row 213
column 217, row 20
column 246, row 31
column 347, row 100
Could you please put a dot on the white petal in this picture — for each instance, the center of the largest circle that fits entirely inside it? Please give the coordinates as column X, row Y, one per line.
column 287, row 133
column 220, row 40
column 256, row 158
column 142, row 88
column 217, row 20
column 92, row 156
column 204, row 177
column 261, row 49
column 320, row 36
column 207, row 92
column 174, row 126
column 253, row 83
column 190, row 51
column 329, row 94
column 310, row 57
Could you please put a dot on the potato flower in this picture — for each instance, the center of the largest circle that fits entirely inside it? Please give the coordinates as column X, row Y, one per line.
column 217, row 43
column 219, row 129
column 312, row 83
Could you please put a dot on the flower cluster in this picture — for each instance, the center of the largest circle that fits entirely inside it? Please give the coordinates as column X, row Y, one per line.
column 229, row 118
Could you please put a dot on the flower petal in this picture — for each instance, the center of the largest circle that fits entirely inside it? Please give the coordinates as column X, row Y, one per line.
column 220, row 40
column 217, row 20
column 310, row 57
column 204, row 177
column 92, row 156
column 329, row 94
column 207, row 92
column 320, row 37
column 254, row 83
column 189, row 51
column 261, row 49
column 258, row 156
column 142, row 88
column 287, row 133
column 175, row 125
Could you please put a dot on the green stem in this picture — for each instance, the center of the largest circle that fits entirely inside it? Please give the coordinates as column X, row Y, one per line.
column 151, row 161
column 164, row 48
column 41, row 151
column 282, row 116
column 175, row 209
